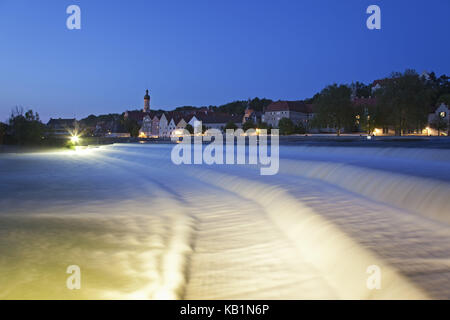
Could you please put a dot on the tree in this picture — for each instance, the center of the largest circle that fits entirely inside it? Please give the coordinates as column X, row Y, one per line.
column 436, row 87
column 313, row 99
column 440, row 124
column 230, row 125
column 132, row 127
column 238, row 107
column 3, row 129
column 26, row 129
column 259, row 104
column 187, row 108
column 300, row 128
column 189, row 128
column 334, row 108
column 265, row 126
column 286, row 126
column 403, row 102
column 366, row 117
column 443, row 84
column 91, row 120
column 445, row 98
column 235, row 107
column 360, row 89
column 248, row 125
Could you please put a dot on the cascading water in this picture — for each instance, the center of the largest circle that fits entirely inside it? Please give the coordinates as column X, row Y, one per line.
column 140, row 227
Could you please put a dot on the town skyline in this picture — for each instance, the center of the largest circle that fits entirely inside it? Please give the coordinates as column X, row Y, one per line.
column 205, row 54
column 173, row 108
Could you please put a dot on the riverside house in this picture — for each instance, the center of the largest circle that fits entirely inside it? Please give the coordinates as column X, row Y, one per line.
column 297, row 111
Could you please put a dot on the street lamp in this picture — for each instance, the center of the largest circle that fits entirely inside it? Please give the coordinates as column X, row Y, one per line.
column 75, row 139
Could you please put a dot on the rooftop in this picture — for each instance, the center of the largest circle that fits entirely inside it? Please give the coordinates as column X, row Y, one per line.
column 296, row 106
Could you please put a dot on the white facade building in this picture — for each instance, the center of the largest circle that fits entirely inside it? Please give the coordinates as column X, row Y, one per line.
column 196, row 124
column 146, row 128
column 297, row 111
column 171, row 126
column 163, row 127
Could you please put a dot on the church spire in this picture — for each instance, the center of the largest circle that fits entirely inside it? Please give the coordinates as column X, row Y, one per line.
column 146, row 101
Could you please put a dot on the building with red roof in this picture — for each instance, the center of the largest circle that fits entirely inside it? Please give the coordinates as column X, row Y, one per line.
column 297, row 111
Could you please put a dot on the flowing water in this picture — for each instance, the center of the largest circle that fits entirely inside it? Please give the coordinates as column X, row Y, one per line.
column 140, row 227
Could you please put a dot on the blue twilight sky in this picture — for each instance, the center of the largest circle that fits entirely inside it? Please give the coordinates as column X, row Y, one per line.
column 205, row 52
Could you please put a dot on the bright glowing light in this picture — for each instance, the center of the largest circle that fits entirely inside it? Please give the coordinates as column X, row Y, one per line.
column 142, row 135
column 75, row 139
column 178, row 133
column 377, row 132
column 426, row 131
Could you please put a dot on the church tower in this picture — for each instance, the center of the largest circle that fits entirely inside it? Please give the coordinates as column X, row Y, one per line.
column 146, row 102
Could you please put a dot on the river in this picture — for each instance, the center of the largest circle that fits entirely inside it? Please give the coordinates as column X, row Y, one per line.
column 140, row 227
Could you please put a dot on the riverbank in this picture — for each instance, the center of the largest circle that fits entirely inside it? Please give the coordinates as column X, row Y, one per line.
column 422, row 142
